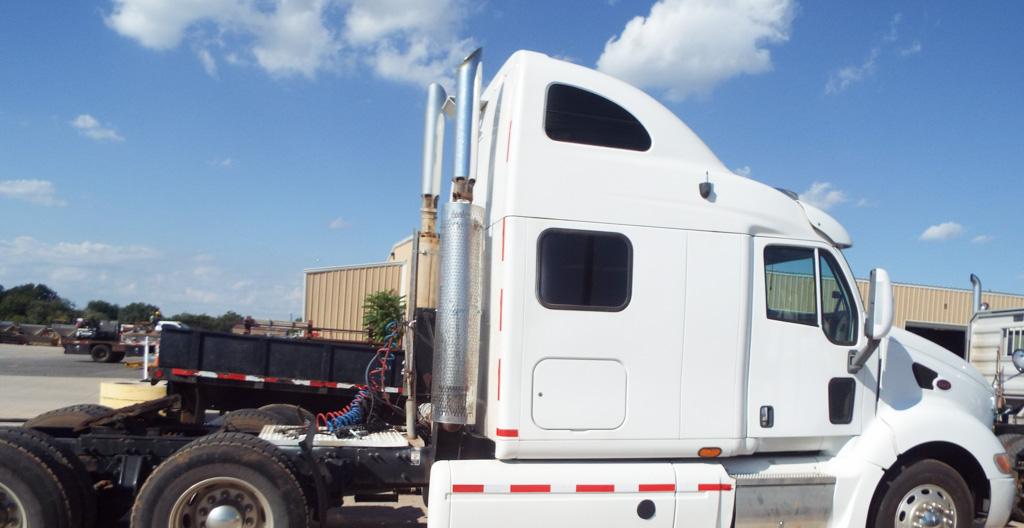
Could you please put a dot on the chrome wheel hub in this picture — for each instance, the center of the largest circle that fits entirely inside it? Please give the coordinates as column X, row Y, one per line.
column 926, row 506
column 12, row 513
column 221, row 502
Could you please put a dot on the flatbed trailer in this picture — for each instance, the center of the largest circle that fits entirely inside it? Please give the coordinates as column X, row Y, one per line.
column 211, row 376
column 103, row 350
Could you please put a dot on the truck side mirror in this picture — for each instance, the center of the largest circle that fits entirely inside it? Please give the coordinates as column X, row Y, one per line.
column 879, row 319
column 880, row 305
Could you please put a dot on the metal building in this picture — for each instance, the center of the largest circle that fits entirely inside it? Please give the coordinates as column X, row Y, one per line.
column 941, row 314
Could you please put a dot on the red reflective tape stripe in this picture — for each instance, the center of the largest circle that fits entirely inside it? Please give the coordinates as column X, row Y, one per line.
column 467, row 488
column 230, row 376
column 595, row 488
column 271, row 380
column 714, row 487
column 315, row 383
column 657, row 487
column 508, row 433
column 499, row 379
column 182, row 372
column 530, row 488
column 501, row 308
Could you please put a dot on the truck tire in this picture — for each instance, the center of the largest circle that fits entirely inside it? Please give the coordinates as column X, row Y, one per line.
column 249, row 420
column 232, row 477
column 68, row 417
column 100, row 353
column 27, row 457
column 70, row 471
column 115, row 357
column 1014, row 449
column 288, row 414
column 30, row 494
column 921, row 494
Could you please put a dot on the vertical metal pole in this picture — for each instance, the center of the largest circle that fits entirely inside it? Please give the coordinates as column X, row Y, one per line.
column 145, row 359
column 409, row 376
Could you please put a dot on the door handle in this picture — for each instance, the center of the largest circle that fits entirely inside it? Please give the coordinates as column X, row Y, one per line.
column 767, row 416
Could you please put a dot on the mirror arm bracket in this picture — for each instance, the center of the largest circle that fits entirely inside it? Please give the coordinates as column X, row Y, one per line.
column 858, row 357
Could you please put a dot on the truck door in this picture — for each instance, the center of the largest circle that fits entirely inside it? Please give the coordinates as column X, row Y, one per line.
column 806, row 318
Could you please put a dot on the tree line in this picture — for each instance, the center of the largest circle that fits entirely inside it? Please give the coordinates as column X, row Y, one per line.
column 39, row 304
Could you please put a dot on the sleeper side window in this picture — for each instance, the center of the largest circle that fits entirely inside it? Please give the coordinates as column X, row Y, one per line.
column 584, row 270
column 838, row 312
column 574, row 115
column 790, row 284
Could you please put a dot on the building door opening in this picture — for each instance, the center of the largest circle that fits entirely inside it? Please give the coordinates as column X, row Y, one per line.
column 950, row 337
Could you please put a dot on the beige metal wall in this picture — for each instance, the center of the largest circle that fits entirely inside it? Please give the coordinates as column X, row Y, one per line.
column 428, row 267
column 942, row 306
column 334, row 296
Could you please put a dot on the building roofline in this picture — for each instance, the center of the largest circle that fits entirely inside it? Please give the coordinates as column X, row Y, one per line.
column 308, row 271
column 948, row 288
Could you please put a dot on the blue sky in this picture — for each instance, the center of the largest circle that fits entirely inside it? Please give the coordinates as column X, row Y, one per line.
column 200, row 154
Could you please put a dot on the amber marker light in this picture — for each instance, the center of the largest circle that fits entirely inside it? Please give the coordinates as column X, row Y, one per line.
column 709, row 452
column 1002, row 461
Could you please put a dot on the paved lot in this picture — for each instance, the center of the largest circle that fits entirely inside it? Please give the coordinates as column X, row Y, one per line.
column 35, row 379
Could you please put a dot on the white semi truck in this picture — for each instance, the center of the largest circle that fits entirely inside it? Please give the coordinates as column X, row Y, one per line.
column 628, row 335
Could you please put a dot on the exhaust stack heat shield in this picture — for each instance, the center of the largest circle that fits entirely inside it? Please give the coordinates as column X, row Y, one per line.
column 457, row 337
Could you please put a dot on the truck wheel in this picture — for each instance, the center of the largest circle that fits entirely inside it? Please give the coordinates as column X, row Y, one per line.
column 100, row 353
column 30, row 494
column 70, row 472
column 227, row 479
column 926, row 493
column 1014, row 449
column 249, row 420
column 115, row 357
column 289, row 414
column 68, row 417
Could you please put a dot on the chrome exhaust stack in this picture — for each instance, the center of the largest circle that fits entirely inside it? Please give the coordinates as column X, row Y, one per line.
column 976, row 283
column 433, row 153
column 467, row 113
column 457, row 335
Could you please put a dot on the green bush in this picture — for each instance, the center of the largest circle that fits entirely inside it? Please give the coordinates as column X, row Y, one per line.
column 379, row 309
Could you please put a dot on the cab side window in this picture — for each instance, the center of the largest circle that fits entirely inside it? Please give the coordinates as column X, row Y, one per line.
column 584, row 270
column 790, row 285
column 574, row 115
column 838, row 312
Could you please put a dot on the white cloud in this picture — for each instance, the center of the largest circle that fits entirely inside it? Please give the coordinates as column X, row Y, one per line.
column 943, row 231
column 687, row 47
column 743, row 171
column 208, row 62
column 338, row 223
column 201, row 296
column 823, row 195
column 894, row 26
column 223, row 163
column 40, row 192
column 982, row 239
column 844, row 77
column 25, row 249
column 913, row 49
column 864, row 202
column 91, row 128
column 403, row 40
